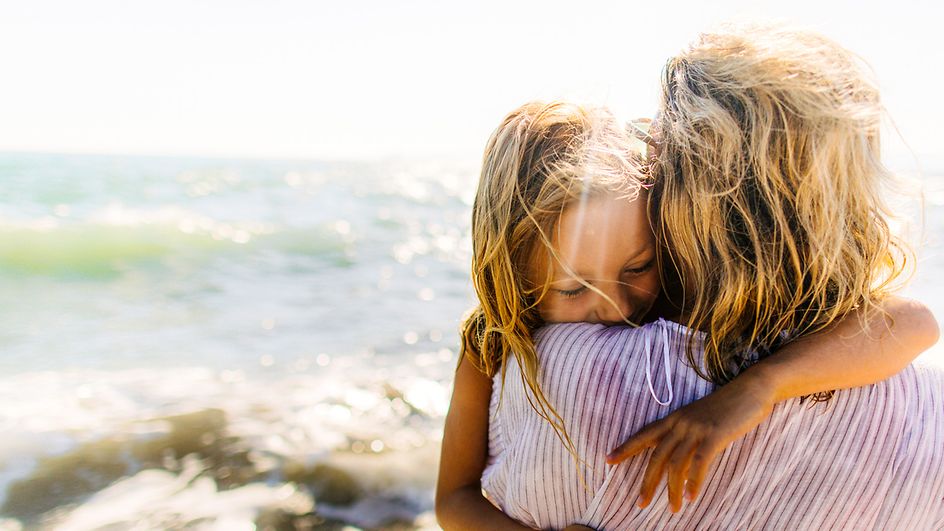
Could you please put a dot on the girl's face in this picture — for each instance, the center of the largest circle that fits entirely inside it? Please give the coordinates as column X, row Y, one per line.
column 607, row 242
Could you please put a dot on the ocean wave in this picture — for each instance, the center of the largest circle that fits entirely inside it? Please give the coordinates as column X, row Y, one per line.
column 109, row 242
column 323, row 446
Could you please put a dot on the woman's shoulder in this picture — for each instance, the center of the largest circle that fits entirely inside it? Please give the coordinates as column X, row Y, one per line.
column 594, row 335
column 649, row 347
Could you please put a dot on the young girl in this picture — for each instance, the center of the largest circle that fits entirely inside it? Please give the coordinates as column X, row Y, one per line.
column 560, row 234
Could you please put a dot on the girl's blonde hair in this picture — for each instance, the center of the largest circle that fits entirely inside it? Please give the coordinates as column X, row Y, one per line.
column 542, row 157
column 769, row 189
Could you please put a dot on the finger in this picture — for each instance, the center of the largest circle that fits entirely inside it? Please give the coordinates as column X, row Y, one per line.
column 640, row 130
column 678, row 465
column 655, row 468
column 701, row 460
column 647, row 437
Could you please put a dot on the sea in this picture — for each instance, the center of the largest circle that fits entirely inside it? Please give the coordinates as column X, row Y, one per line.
column 198, row 343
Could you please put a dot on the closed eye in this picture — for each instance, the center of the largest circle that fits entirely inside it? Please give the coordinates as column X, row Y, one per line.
column 572, row 293
column 641, row 269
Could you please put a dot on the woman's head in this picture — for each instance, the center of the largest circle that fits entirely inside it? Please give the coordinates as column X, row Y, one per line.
column 769, row 186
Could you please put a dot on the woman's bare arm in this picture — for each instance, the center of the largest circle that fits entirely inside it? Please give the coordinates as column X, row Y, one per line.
column 459, row 500
column 851, row 354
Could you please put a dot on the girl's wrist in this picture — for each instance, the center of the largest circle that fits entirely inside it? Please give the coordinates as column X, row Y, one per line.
column 763, row 383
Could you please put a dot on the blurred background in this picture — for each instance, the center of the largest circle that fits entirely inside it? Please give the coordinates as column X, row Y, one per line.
column 234, row 235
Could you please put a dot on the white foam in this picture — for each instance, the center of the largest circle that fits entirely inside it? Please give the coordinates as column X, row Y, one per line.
column 157, row 499
column 300, row 418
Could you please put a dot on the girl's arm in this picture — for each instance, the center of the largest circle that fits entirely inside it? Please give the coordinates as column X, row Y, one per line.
column 459, row 500
column 850, row 354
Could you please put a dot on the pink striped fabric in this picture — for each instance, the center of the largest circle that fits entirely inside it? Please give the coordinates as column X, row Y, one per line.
column 873, row 458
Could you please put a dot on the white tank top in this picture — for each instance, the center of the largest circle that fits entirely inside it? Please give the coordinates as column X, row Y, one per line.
column 871, row 458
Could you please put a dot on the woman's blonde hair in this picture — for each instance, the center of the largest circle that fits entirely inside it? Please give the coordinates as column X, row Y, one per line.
column 769, row 189
column 542, row 157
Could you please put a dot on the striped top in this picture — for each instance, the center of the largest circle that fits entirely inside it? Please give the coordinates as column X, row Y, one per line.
column 871, row 458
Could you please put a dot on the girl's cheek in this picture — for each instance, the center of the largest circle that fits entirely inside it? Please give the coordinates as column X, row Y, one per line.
column 562, row 310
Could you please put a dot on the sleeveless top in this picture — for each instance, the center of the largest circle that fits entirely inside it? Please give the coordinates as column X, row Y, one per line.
column 871, row 458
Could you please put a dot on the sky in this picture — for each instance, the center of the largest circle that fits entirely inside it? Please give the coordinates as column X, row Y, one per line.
column 379, row 79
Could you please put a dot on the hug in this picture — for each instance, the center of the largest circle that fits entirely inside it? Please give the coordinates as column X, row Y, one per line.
column 724, row 296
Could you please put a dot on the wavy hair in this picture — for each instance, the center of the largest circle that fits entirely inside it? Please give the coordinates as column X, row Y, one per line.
column 543, row 157
column 769, row 190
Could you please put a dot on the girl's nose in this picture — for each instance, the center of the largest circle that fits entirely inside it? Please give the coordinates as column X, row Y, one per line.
column 615, row 308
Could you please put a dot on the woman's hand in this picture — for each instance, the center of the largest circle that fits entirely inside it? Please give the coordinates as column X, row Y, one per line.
column 688, row 439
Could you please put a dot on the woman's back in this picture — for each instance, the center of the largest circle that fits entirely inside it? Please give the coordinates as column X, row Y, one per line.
column 873, row 457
